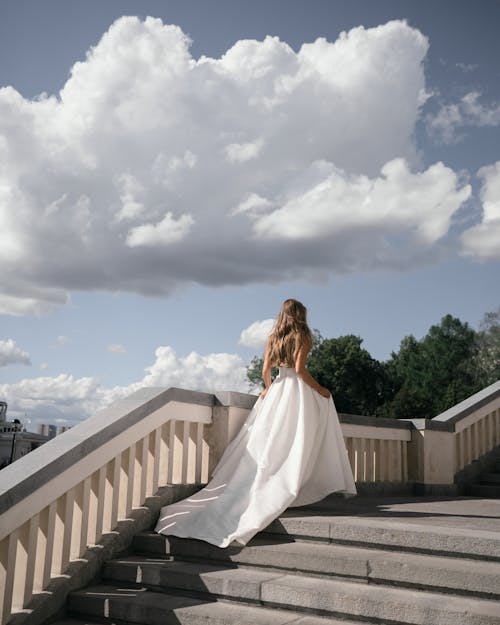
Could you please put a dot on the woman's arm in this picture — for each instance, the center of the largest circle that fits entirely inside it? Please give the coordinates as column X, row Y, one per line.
column 266, row 371
column 300, row 368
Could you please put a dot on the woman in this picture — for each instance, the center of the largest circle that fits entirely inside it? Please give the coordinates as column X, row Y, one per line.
column 289, row 452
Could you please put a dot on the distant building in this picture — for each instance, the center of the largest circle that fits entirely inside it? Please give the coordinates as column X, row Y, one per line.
column 15, row 442
column 51, row 430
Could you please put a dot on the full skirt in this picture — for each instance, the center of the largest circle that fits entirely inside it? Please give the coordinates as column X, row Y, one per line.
column 289, row 452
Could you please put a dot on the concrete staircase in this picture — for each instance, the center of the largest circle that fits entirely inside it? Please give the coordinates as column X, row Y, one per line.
column 489, row 484
column 382, row 561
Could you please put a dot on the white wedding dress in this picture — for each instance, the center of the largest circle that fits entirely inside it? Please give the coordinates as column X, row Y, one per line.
column 290, row 452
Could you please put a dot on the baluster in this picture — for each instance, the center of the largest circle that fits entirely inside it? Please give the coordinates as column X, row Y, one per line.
column 123, row 485
column 384, row 452
column 370, row 473
column 397, row 453
column 377, row 460
column 157, row 465
column 4, row 594
column 487, row 433
column 362, row 460
column 405, row 460
column 190, row 451
column 167, row 456
column 20, row 567
column 390, row 460
column 205, row 455
column 150, row 464
column 199, row 454
column 355, row 455
column 40, row 550
column 473, row 438
column 32, row 557
column 178, row 431
column 481, row 436
column 108, row 497
column 143, row 470
column 469, row 444
column 115, row 504
column 459, row 436
column 62, row 532
column 129, row 485
column 92, row 509
column 350, row 452
column 185, row 451
column 48, row 525
column 171, row 450
column 137, row 471
column 83, row 502
column 77, row 549
column 99, row 504
column 8, row 549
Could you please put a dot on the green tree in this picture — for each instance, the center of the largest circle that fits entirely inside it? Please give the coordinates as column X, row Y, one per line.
column 423, row 378
column 355, row 379
column 487, row 357
column 433, row 374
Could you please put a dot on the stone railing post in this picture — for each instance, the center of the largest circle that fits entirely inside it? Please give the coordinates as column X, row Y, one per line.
column 229, row 413
column 431, row 456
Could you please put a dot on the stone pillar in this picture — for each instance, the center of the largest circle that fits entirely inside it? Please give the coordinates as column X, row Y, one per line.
column 229, row 414
column 431, row 455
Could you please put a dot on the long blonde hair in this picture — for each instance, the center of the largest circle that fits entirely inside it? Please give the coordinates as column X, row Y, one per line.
column 289, row 333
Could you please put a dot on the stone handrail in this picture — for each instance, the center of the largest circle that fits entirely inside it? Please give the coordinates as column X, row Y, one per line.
column 377, row 448
column 64, row 496
column 476, row 426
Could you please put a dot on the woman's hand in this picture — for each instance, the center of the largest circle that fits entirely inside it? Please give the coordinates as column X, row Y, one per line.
column 325, row 392
column 264, row 393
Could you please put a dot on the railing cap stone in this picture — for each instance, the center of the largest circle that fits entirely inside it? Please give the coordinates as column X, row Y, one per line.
column 235, row 399
column 430, row 424
column 377, row 422
column 469, row 405
column 35, row 469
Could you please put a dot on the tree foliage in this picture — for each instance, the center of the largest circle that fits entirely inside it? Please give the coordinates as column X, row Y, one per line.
column 423, row 378
column 487, row 357
column 349, row 372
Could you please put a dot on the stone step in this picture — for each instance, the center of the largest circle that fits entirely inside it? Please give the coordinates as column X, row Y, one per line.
column 384, row 534
column 485, row 491
column 324, row 597
column 74, row 621
column 136, row 606
column 490, row 478
column 447, row 574
column 389, row 534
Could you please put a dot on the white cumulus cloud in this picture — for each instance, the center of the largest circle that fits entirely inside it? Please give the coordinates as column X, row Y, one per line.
column 445, row 125
column 116, row 348
column 334, row 208
column 60, row 341
column 69, row 399
column 483, row 240
column 256, row 334
column 45, row 398
column 11, row 354
column 168, row 230
column 149, row 168
column 241, row 152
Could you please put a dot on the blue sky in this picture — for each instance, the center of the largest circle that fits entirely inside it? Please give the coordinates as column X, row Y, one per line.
column 155, row 204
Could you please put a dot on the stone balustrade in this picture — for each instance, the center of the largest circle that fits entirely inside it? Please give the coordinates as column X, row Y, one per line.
column 64, row 496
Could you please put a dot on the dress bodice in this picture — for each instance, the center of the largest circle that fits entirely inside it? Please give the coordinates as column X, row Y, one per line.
column 286, row 371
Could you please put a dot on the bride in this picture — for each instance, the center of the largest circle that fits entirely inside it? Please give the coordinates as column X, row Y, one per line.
column 290, row 451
